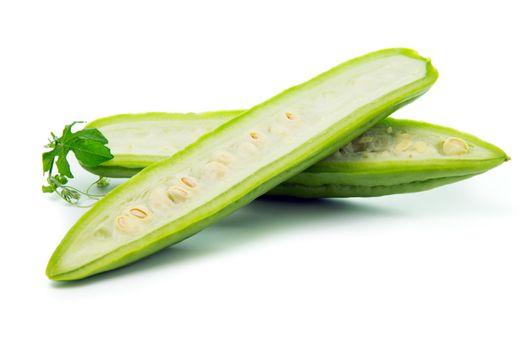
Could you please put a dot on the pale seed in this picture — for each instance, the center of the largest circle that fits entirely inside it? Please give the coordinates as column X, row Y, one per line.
column 225, row 158
column 403, row 145
column 158, row 199
column 215, row 169
column 254, row 135
column 188, row 181
column 454, row 146
column 365, row 139
column 121, row 222
column 125, row 223
column 140, row 213
column 420, row 146
column 177, row 194
column 291, row 116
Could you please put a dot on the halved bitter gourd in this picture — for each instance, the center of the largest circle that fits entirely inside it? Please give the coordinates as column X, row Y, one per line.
column 394, row 156
column 239, row 161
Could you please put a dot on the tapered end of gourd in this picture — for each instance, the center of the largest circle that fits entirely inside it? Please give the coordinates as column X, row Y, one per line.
column 408, row 144
column 69, row 263
column 397, row 156
column 55, row 271
column 52, row 272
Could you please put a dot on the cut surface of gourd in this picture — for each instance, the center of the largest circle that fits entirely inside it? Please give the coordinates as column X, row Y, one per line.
column 394, row 156
column 139, row 140
column 239, row 161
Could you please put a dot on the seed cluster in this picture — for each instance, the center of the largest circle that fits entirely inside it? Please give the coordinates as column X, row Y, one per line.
column 388, row 142
column 180, row 189
column 383, row 142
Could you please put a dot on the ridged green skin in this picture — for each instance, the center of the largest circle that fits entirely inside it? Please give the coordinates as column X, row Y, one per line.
column 334, row 179
column 300, row 157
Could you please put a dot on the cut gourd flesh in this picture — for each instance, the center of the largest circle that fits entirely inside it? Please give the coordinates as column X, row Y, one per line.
column 239, row 161
column 394, row 156
column 139, row 140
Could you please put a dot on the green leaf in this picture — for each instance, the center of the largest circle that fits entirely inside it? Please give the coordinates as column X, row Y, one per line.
column 48, row 158
column 91, row 153
column 63, row 165
column 88, row 145
column 48, row 189
column 66, row 134
column 91, row 135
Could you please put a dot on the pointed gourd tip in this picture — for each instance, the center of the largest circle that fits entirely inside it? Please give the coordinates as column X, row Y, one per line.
column 55, row 275
column 52, row 271
column 505, row 157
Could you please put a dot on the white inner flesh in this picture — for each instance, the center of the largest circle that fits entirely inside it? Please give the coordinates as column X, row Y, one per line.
column 233, row 156
column 163, row 138
column 157, row 137
column 384, row 142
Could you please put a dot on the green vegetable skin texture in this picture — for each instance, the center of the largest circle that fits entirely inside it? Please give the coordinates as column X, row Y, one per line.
column 331, row 109
column 343, row 174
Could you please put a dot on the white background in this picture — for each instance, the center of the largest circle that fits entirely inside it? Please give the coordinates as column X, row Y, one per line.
column 436, row 270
